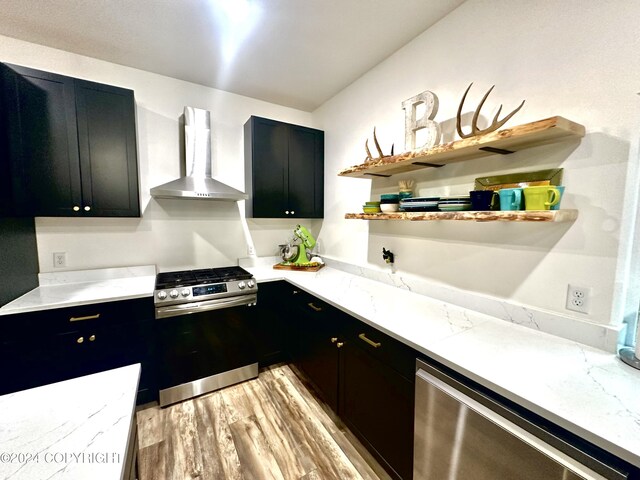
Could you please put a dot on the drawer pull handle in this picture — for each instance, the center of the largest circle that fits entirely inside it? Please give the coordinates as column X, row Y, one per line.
column 92, row 338
column 363, row 337
column 88, row 317
column 80, row 339
column 313, row 307
column 334, row 339
column 339, row 344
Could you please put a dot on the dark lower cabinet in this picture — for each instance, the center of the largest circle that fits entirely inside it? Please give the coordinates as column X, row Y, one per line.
column 68, row 146
column 39, row 348
column 318, row 346
column 271, row 330
column 377, row 406
column 365, row 376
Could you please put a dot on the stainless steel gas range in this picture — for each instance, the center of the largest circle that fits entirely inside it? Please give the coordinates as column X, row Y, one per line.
column 204, row 330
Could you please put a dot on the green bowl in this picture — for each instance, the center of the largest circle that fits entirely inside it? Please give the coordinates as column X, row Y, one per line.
column 367, row 209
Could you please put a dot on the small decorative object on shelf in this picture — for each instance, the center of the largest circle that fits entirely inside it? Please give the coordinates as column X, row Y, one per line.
column 413, row 124
column 405, row 188
column 387, row 255
column 495, row 124
column 375, row 141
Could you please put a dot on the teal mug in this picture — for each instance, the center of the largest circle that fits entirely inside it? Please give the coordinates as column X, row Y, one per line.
column 510, row 198
column 557, row 205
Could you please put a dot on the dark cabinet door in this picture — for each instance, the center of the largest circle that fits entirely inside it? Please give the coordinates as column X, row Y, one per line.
column 42, row 142
column 270, row 323
column 107, row 145
column 377, row 405
column 69, row 146
column 284, row 170
column 318, row 352
column 267, row 175
column 306, row 172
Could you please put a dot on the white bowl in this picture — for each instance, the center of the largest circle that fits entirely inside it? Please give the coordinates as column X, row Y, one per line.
column 389, row 207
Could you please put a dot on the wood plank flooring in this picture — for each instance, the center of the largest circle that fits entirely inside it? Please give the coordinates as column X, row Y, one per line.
column 271, row 427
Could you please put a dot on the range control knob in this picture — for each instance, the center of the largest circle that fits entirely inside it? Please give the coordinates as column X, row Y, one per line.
column 162, row 295
column 174, row 294
column 241, row 285
column 251, row 284
column 185, row 292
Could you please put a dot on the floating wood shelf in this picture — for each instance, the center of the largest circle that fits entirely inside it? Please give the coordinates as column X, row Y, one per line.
column 510, row 216
column 509, row 140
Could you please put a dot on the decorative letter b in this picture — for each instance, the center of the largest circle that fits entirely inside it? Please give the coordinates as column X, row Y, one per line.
column 413, row 124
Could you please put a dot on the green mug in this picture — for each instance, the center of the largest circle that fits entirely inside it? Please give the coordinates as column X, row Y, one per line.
column 541, row 197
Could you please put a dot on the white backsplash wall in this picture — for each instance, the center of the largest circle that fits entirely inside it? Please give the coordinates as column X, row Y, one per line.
column 564, row 59
column 171, row 233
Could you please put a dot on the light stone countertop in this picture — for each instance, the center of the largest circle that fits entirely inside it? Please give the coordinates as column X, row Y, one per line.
column 71, row 430
column 588, row 391
column 73, row 288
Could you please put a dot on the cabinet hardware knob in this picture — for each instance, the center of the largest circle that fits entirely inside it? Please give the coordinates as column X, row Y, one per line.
column 364, row 338
column 295, row 292
column 76, row 208
column 340, row 344
column 88, row 317
column 286, row 212
column 92, row 338
column 292, row 212
column 87, row 208
column 80, row 339
column 313, row 307
column 334, row 339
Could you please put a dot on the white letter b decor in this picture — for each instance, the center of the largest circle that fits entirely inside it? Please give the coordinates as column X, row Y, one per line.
column 413, row 124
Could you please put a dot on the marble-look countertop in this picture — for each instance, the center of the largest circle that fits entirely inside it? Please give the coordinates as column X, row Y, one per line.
column 76, row 429
column 588, row 391
column 73, row 288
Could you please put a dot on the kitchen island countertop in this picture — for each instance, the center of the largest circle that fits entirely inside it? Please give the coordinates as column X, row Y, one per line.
column 585, row 390
column 71, row 430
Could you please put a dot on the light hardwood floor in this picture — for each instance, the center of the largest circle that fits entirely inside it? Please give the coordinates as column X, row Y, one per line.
column 271, row 427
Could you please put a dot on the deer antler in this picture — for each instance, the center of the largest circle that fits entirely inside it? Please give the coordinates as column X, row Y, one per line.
column 375, row 141
column 495, row 124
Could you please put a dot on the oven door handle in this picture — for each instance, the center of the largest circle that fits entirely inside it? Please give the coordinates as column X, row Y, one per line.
column 195, row 307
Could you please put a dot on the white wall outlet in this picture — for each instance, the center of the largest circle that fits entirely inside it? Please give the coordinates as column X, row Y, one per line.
column 59, row 259
column 578, row 299
column 251, row 250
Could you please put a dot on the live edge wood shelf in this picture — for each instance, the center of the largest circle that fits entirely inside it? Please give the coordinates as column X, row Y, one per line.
column 509, row 140
column 506, row 216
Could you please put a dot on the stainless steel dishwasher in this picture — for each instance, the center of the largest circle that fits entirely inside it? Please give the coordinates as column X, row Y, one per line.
column 461, row 433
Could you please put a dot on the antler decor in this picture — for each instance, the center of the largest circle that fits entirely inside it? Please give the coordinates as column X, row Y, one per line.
column 495, row 124
column 375, row 141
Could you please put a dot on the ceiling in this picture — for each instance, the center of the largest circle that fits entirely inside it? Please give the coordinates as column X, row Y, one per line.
column 297, row 53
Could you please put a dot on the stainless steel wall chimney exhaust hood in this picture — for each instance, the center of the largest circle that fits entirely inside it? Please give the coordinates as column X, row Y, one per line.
column 198, row 182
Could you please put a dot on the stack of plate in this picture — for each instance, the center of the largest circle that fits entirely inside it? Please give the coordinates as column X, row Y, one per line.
column 371, row 207
column 419, row 204
column 455, row 204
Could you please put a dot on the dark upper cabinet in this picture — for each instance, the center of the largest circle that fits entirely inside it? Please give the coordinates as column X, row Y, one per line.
column 284, row 170
column 69, row 146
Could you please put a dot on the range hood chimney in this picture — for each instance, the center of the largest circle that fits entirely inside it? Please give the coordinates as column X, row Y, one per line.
column 198, row 182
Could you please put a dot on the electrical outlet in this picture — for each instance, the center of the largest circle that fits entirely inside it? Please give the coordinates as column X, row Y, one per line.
column 578, row 299
column 59, row 259
column 251, row 250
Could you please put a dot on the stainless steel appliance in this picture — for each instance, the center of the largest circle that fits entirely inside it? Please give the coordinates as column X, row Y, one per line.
column 463, row 433
column 198, row 182
column 204, row 330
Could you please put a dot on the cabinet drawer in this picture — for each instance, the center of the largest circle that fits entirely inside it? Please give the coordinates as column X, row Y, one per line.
column 389, row 351
column 63, row 320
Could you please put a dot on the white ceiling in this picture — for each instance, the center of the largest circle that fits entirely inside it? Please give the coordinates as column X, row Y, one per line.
column 297, row 53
